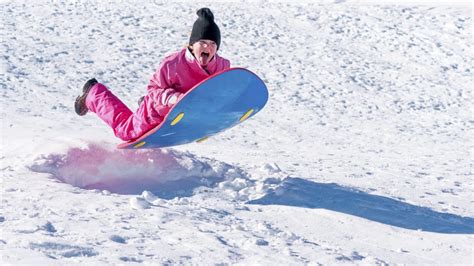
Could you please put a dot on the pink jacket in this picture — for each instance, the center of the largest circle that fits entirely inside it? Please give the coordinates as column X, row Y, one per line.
column 177, row 74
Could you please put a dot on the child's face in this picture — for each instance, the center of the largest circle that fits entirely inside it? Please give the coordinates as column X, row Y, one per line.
column 204, row 51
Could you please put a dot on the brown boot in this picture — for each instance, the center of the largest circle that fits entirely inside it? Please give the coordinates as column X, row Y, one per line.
column 80, row 104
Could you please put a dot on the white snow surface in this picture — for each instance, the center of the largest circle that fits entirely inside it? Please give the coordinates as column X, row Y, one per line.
column 363, row 154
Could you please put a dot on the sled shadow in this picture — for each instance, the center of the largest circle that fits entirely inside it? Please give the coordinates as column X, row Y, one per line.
column 298, row 192
column 165, row 173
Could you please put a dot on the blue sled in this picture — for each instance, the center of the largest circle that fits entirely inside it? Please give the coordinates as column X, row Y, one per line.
column 219, row 102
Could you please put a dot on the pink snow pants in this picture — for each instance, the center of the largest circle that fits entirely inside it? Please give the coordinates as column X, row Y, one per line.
column 126, row 124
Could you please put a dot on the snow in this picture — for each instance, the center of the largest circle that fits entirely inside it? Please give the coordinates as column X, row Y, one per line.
column 363, row 154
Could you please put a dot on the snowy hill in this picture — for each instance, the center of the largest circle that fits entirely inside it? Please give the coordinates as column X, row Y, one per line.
column 363, row 154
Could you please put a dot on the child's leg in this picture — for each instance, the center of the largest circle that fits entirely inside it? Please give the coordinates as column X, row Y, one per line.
column 117, row 115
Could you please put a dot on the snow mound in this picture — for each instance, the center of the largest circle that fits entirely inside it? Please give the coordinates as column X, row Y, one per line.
column 165, row 173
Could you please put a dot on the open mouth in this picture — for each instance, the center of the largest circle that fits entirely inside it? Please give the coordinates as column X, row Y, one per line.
column 205, row 58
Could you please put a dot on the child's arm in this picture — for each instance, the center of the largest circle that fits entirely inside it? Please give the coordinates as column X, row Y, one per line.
column 162, row 92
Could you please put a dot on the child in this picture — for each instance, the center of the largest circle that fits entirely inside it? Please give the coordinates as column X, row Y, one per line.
column 177, row 74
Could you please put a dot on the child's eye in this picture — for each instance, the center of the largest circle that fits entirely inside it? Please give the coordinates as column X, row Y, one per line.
column 207, row 43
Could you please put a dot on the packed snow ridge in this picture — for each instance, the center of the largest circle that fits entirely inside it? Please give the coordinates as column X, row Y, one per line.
column 162, row 172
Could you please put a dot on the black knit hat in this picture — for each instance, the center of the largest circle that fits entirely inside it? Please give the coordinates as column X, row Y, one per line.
column 205, row 28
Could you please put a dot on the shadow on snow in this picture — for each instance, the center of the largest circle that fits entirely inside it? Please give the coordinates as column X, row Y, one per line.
column 303, row 193
column 170, row 174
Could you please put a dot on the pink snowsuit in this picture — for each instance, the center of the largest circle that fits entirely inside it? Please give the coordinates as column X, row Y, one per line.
column 177, row 74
